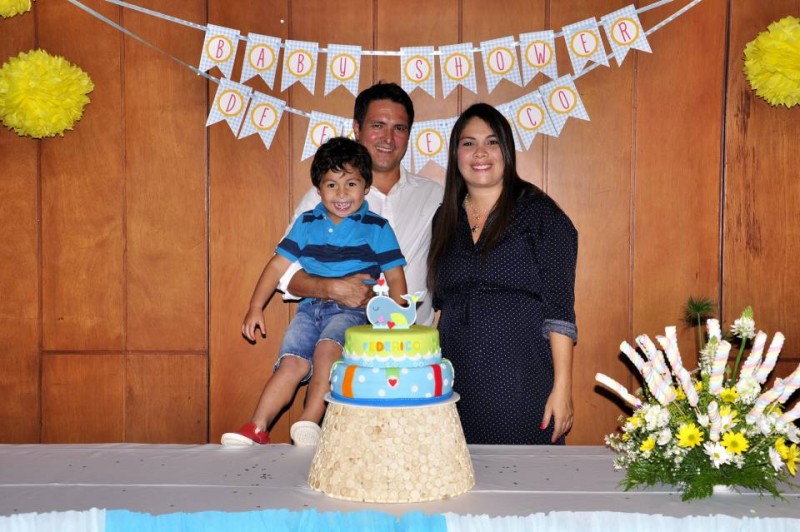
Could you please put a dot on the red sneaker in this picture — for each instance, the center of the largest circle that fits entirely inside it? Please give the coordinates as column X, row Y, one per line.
column 248, row 434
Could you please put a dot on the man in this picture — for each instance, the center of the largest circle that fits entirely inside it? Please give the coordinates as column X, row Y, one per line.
column 382, row 120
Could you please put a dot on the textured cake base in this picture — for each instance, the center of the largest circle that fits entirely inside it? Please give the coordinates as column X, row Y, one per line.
column 399, row 455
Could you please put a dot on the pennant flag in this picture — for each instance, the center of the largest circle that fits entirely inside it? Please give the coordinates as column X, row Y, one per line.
column 529, row 117
column 263, row 117
column 344, row 68
column 500, row 61
column 457, row 64
column 347, row 129
column 229, row 104
column 300, row 64
column 624, row 31
column 430, row 142
column 261, row 58
column 506, row 110
column 562, row 100
column 416, row 64
column 584, row 44
column 538, row 50
column 219, row 49
column 321, row 127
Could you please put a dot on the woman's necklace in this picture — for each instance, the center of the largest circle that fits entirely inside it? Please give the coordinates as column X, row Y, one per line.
column 477, row 216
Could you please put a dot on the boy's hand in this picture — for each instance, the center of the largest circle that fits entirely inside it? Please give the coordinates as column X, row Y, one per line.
column 253, row 319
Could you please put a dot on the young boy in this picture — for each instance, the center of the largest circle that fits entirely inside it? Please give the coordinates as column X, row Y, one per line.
column 339, row 237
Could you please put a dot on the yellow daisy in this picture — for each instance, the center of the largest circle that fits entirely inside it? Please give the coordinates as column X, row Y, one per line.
column 680, row 395
column 780, row 446
column 647, row 445
column 727, row 410
column 729, row 395
column 689, row 435
column 792, row 454
column 735, row 442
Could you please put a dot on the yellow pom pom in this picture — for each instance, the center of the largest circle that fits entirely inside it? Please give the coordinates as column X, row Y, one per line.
column 772, row 63
column 42, row 95
column 9, row 8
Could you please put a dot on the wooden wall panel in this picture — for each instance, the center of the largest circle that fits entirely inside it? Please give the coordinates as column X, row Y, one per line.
column 166, row 397
column 678, row 126
column 19, row 263
column 762, row 191
column 82, row 192
column 120, row 340
column 588, row 172
column 250, row 206
column 82, row 398
column 166, row 182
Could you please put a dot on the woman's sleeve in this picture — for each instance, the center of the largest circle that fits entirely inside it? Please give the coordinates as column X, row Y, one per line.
column 557, row 256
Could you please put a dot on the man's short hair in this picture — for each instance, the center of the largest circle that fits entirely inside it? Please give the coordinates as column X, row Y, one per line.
column 382, row 91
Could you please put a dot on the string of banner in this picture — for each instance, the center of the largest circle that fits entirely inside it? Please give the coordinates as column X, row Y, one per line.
column 544, row 110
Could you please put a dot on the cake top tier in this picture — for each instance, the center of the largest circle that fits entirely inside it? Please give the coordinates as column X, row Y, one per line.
column 383, row 312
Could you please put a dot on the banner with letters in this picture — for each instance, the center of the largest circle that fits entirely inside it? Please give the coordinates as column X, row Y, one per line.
column 516, row 59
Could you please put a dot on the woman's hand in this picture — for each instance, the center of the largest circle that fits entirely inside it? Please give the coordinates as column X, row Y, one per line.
column 559, row 405
column 558, row 408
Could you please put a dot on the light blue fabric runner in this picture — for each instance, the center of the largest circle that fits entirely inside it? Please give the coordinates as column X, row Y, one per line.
column 274, row 521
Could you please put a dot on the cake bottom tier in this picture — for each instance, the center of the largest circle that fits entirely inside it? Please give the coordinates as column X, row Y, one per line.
column 397, row 455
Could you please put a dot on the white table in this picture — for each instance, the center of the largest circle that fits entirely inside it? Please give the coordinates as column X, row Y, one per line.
column 160, row 479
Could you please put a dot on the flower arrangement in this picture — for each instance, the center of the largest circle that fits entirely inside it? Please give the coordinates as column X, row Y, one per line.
column 42, row 95
column 712, row 426
column 772, row 62
column 9, row 8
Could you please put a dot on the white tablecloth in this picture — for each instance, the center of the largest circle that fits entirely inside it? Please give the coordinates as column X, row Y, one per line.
column 161, row 479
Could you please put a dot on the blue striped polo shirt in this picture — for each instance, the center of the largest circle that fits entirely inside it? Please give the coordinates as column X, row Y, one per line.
column 361, row 243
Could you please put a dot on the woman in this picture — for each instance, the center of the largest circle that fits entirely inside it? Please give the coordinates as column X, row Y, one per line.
column 502, row 272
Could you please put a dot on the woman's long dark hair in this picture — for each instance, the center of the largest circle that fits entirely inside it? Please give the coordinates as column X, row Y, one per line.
column 455, row 189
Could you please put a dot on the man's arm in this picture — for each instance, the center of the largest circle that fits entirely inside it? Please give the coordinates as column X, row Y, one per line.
column 348, row 291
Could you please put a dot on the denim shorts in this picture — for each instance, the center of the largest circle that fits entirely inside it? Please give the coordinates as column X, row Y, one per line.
column 314, row 321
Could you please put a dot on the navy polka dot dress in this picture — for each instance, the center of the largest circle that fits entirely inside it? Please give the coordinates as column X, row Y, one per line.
column 496, row 314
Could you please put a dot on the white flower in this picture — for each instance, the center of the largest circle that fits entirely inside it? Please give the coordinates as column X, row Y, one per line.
column 664, row 437
column 656, row 417
column 775, row 459
column 725, row 422
column 745, row 326
column 738, row 461
column 718, row 454
column 766, row 423
column 748, row 389
column 702, row 419
column 707, row 355
column 793, row 433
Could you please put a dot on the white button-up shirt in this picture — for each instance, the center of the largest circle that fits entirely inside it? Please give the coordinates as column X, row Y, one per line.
column 409, row 207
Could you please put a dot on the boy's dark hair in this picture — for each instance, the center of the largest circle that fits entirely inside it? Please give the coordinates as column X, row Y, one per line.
column 338, row 152
column 382, row 91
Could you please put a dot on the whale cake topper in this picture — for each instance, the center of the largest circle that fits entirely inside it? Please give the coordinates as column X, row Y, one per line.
column 384, row 313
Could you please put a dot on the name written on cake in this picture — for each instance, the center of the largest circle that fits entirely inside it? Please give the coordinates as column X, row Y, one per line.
column 394, row 346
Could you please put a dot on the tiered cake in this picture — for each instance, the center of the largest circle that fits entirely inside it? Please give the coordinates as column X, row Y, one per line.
column 392, row 432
